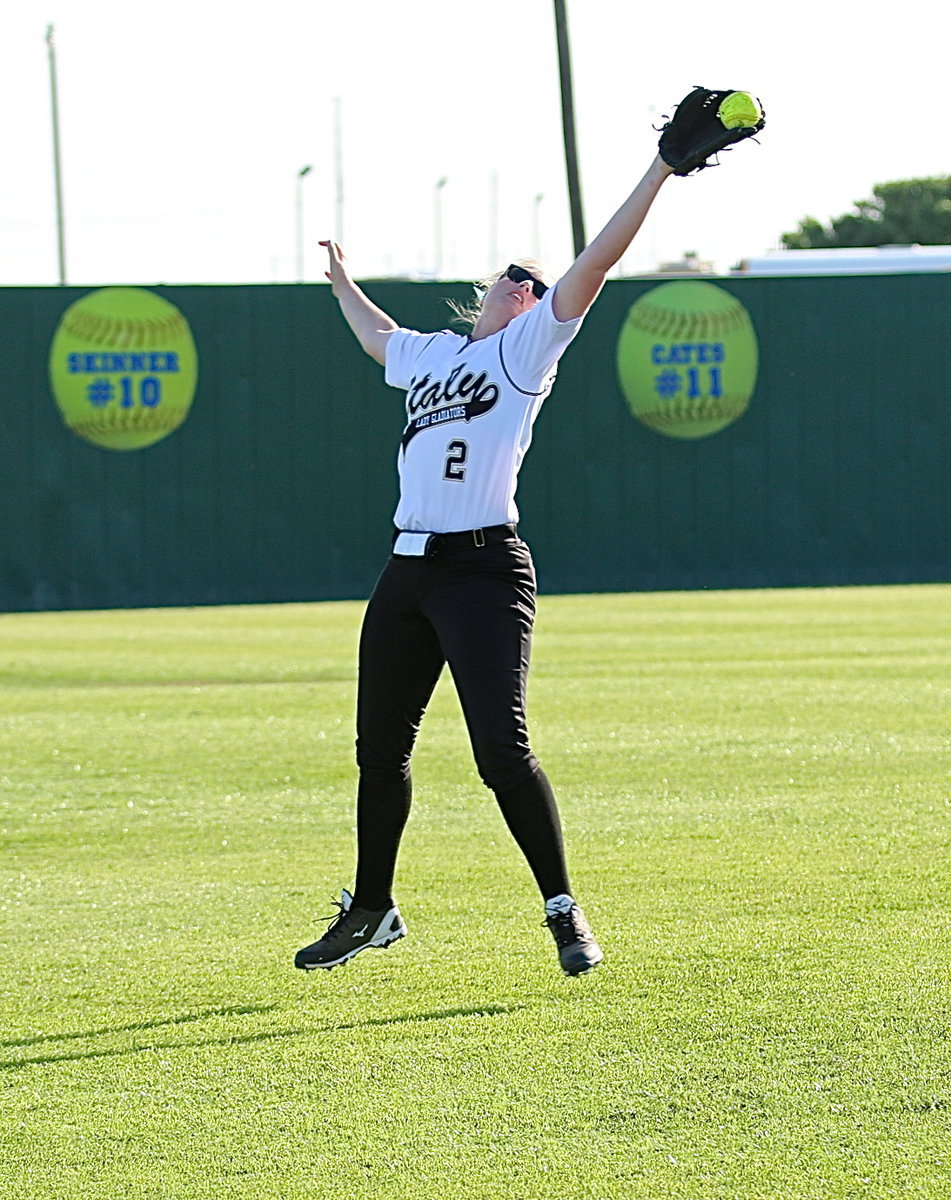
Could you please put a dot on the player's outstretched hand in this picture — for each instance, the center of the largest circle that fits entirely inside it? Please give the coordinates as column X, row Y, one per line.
column 337, row 272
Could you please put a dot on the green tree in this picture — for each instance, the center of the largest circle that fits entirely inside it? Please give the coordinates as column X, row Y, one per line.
column 904, row 212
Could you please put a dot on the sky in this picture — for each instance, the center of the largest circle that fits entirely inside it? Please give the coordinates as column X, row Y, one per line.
column 433, row 131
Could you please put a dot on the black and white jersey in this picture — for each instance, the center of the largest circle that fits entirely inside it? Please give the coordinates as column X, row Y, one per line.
column 470, row 408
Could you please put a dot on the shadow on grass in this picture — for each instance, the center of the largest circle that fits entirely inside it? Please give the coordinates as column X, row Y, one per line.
column 235, row 1010
column 484, row 1010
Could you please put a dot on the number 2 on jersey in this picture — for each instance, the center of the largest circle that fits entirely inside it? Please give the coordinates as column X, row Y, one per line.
column 456, row 454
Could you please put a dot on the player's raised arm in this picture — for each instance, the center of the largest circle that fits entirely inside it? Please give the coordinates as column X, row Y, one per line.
column 579, row 286
column 371, row 325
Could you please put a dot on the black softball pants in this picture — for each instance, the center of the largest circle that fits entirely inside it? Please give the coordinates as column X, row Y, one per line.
column 473, row 608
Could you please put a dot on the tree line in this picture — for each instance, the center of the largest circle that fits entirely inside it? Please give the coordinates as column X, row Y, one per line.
column 904, row 212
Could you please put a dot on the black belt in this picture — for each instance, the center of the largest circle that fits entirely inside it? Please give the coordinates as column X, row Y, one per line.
column 467, row 539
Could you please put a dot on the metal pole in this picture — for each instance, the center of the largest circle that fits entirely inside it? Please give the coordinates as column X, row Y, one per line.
column 57, row 166
column 299, row 206
column 437, row 224
column 568, row 127
column 338, row 170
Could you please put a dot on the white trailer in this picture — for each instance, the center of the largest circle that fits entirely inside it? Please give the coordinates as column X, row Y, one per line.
column 867, row 260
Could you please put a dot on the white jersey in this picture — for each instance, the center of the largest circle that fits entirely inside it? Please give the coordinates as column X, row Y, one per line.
column 470, row 408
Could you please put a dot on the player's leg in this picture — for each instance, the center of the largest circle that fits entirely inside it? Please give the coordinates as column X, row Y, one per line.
column 484, row 613
column 400, row 661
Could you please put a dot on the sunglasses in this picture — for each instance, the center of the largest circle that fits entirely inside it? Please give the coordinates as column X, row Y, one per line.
column 519, row 275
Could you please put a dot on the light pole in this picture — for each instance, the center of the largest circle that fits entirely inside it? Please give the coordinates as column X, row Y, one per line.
column 57, row 166
column 437, row 222
column 536, row 226
column 299, row 206
column 493, row 221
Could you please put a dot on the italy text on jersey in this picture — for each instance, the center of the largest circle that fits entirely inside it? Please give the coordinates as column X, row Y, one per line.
column 461, row 396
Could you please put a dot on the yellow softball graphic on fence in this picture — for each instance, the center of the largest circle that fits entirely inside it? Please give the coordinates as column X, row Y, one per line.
column 123, row 367
column 687, row 358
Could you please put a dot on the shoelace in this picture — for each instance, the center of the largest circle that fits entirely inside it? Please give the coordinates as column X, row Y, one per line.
column 567, row 926
column 336, row 920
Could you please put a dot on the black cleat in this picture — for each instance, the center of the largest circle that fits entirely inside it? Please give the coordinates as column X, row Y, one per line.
column 577, row 950
column 349, row 932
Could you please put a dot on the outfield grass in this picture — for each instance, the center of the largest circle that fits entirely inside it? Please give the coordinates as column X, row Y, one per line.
column 756, row 788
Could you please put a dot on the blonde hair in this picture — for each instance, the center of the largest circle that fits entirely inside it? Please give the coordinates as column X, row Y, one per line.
column 464, row 316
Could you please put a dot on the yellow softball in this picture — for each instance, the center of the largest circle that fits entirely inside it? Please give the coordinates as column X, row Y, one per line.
column 739, row 111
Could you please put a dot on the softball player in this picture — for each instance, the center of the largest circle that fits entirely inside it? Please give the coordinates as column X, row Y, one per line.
column 459, row 587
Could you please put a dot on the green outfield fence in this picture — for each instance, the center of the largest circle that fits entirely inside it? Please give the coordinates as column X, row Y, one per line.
column 281, row 482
